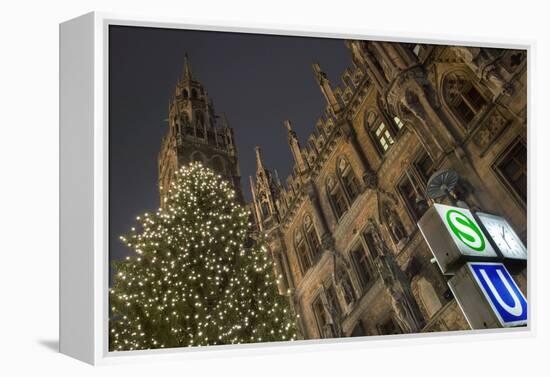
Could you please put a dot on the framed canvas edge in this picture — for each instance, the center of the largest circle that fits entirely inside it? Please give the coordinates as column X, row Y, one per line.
column 102, row 20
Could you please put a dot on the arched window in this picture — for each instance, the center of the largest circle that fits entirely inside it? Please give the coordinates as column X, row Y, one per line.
column 185, row 94
column 264, row 206
column 462, row 97
column 336, row 197
column 302, row 251
column 312, row 237
column 217, row 165
column 176, row 128
column 194, row 93
column 348, row 179
column 187, row 127
column 379, row 132
column 362, row 264
column 199, row 120
column 197, row 157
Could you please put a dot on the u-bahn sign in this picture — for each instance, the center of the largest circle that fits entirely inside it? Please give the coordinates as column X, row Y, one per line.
column 489, row 296
column 453, row 235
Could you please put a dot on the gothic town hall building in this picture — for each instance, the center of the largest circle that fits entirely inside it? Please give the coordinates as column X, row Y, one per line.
column 342, row 228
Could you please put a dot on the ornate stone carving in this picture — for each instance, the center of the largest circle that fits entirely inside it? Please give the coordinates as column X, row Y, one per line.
column 489, row 130
column 485, row 65
column 413, row 104
column 311, row 192
column 394, row 224
column 396, row 285
column 347, row 288
column 512, row 59
column 370, row 179
column 403, row 313
column 453, row 86
column 327, row 241
column 332, row 329
column 356, row 52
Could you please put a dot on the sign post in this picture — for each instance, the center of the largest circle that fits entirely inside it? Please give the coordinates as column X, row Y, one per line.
column 488, row 296
column 470, row 248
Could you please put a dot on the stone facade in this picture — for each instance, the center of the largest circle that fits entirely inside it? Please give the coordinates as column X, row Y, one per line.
column 194, row 134
column 343, row 230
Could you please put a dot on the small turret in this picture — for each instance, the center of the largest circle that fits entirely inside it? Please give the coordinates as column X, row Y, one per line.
column 295, row 147
column 264, row 194
column 326, row 89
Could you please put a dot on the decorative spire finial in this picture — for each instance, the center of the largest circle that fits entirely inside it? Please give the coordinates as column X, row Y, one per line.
column 259, row 162
column 295, row 147
column 326, row 89
column 186, row 68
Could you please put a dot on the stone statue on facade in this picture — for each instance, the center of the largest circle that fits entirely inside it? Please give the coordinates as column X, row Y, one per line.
column 332, row 327
column 395, row 286
column 345, row 284
column 403, row 313
column 394, row 224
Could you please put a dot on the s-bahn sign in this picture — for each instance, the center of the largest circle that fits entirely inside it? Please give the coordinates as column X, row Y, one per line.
column 453, row 235
column 488, row 296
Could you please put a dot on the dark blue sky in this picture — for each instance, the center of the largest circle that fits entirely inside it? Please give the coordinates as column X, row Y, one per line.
column 258, row 81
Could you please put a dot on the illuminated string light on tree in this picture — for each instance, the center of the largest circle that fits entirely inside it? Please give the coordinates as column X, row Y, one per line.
column 194, row 280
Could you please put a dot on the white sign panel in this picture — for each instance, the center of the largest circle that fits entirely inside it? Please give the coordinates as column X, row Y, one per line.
column 465, row 231
column 504, row 236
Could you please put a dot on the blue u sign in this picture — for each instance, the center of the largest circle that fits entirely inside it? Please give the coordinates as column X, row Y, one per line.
column 502, row 292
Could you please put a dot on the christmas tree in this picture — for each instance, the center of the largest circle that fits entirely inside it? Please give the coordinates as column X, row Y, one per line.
column 195, row 279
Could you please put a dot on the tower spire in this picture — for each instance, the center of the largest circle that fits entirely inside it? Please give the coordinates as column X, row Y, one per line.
column 186, row 68
column 295, row 147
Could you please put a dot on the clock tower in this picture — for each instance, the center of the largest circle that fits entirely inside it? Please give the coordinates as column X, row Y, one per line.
column 196, row 133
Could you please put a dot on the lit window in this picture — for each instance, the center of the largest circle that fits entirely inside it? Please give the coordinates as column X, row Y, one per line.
column 398, row 122
column 383, row 136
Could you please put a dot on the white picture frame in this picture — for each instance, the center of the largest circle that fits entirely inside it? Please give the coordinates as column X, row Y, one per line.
column 84, row 191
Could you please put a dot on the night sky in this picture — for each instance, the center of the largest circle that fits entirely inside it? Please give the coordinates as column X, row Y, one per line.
column 258, row 81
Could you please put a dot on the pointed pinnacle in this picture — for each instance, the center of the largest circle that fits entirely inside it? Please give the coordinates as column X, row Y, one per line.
column 186, row 68
column 288, row 125
column 259, row 161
